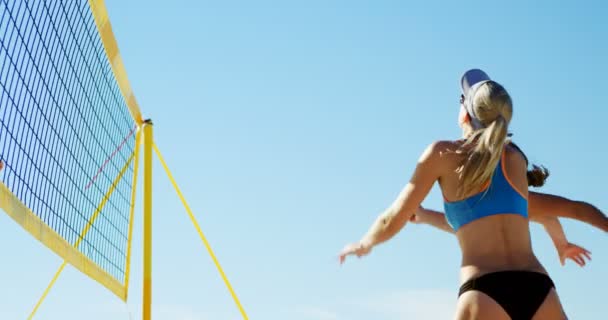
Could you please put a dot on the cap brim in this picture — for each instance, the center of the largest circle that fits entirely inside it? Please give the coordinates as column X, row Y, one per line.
column 472, row 77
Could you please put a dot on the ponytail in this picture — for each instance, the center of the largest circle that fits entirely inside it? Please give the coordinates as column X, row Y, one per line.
column 482, row 158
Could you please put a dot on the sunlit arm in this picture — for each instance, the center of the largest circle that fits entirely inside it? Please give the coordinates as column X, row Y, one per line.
column 542, row 205
column 388, row 224
column 393, row 219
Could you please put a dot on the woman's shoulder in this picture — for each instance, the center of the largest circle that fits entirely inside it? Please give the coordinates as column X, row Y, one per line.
column 443, row 147
column 443, row 150
column 514, row 155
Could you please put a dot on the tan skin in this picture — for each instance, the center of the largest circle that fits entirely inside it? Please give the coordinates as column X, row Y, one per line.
column 493, row 243
column 544, row 209
column 549, row 205
column 565, row 249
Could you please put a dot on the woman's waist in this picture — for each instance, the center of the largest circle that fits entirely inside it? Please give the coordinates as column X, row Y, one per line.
column 476, row 267
column 497, row 241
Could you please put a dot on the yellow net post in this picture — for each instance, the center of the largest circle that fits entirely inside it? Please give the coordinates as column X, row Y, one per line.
column 147, row 299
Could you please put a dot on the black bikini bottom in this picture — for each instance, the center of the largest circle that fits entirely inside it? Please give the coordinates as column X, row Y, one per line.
column 519, row 293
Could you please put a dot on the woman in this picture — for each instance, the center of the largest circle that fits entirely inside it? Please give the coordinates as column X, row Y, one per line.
column 487, row 208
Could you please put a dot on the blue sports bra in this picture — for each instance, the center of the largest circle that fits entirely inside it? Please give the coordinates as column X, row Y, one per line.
column 500, row 197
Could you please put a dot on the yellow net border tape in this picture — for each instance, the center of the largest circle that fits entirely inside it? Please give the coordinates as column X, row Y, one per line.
column 21, row 214
column 100, row 14
column 43, row 233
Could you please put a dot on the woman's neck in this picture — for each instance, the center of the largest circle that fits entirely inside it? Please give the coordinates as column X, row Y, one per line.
column 467, row 131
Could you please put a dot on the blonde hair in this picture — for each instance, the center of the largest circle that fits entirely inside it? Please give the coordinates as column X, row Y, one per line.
column 492, row 107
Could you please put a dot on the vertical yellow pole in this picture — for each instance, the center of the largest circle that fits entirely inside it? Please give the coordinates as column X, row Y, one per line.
column 148, row 142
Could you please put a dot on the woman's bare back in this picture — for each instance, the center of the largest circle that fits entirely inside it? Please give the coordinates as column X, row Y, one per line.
column 496, row 242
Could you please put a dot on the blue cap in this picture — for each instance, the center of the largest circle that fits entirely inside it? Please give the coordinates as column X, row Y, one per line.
column 471, row 78
column 470, row 81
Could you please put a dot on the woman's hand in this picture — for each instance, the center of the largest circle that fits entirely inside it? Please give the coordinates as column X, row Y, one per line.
column 359, row 249
column 575, row 253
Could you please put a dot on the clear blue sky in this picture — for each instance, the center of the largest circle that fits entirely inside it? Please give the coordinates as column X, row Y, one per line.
column 291, row 125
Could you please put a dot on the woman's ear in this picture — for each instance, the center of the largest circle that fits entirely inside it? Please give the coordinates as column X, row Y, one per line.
column 463, row 116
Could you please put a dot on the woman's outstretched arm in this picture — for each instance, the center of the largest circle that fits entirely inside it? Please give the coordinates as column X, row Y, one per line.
column 543, row 204
column 394, row 218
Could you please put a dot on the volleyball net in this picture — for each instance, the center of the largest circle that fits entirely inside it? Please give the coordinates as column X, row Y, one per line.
column 70, row 130
column 68, row 136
